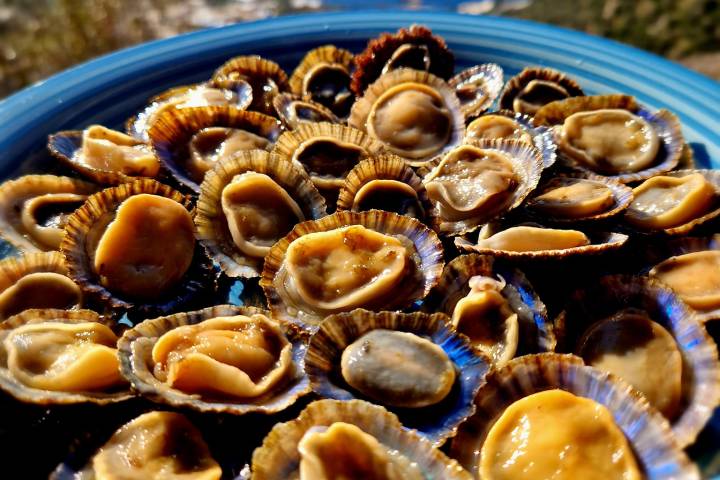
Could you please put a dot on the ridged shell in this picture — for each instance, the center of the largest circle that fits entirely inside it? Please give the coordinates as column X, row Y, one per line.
column 256, row 71
column 436, row 422
column 370, row 63
column 294, row 110
column 666, row 125
column 278, row 456
column 211, row 223
column 528, row 165
column 66, row 144
column 382, row 167
column 14, row 193
column 363, row 106
column 48, row 397
column 170, row 135
column 528, row 74
column 324, row 56
column 608, row 295
column 647, row 431
column 476, row 100
column 97, row 212
column 712, row 176
column 135, row 350
column 622, row 195
column 536, row 332
column 428, row 249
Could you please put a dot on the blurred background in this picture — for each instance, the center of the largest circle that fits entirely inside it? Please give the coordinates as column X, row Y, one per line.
column 40, row 37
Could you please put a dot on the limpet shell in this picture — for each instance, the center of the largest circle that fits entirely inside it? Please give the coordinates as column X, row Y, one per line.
column 294, row 110
column 336, row 62
column 517, row 83
column 265, row 77
column 477, row 87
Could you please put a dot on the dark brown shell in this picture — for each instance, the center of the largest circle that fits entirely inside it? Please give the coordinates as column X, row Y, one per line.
column 327, row 56
column 293, row 110
column 369, row 63
column 519, row 81
column 259, row 73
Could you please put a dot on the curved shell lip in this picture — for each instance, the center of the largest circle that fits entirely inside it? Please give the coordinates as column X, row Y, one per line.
column 601, row 242
column 369, row 64
column 198, row 279
column 24, row 188
column 665, row 123
column 363, row 106
column 278, row 456
column 171, row 133
column 622, row 195
column 491, row 75
column 426, row 243
column 519, row 81
column 646, row 429
column 536, row 331
column 285, row 105
column 612, row 293
column 135, row 346
column 384, row 166
column 48, row 397
column 713, row 176
column 436, row 422
column 527, row 163
column 211, row 223
column 66, row 146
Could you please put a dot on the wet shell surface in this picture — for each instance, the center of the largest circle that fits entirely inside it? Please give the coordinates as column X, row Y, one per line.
column 700, row 367
column 390, row 108
column 535, row 331
column 23, row 392
column 419, row 49
column 647, row 431
column 420, row 270
column 173, row 133
column 265, row 77
column 279, row 457
column 294, row 110
column 534, row 87
column 384, row 182
column 436, row 422
column 136, row 349
column 212, row 222
column 34, row 209
column 85, row 229
column 477, row 87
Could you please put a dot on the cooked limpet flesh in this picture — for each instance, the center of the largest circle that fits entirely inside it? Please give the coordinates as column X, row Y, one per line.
column 526, row 238
column 666, row 202
column 106, row 149
column 212, row 144
column 398, row 368
column 536, row 94
column 535, row 87
column 497, row 126
column 390, row 195
column 154, row 445
column 293, row 110
column 631, row 345
column 555, row 434
column 573, row 198
column 343, row 450
column 695, row 277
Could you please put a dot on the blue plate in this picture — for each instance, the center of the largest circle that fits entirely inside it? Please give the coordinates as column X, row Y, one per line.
column 111, row 88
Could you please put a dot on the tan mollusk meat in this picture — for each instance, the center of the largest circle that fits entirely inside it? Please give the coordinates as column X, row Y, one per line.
column 534, row 87
column 294, row 109
column 34, row 209
column 265, row 77
column 694, row 276
column 493, row 125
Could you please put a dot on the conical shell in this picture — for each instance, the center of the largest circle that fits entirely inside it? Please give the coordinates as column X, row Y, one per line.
column 327, row 56
column 701, row 369
column 294, row 110
column 211, row 223
column 528, row 74
column 478, row 87
column 278, row 456
column 265, row 76
column 648, row 432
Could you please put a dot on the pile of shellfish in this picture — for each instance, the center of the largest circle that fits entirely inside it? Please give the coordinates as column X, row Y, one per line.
column 373, row 268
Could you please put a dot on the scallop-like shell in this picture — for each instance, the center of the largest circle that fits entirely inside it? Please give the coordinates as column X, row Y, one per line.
column 527, row 164
column 294, row 110
column 646, row 429
column 382, row 167
column 517, row 83
column 82, row 234
column 211, row 223
column 363, row 106
column 666, row 125
column 478, row 87
column 536, row 332
column 329, row 57
column 15, row 193
column 622, row 195
column 265, row 76
column 606, row 296
column 370, row 63
column 48, row 397
column 135, row 350
column 278, row 456
column 66, row 145
column 428, row 257
column 170, row 135
column 436, row 422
